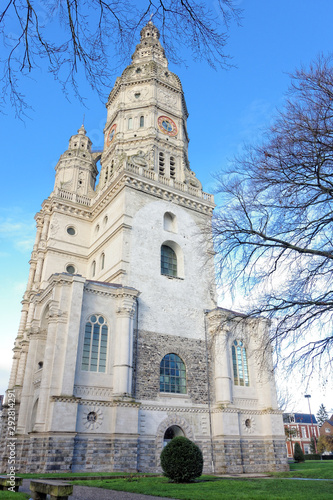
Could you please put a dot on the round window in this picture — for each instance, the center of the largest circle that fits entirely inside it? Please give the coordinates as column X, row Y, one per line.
column 92, row 416
column 70, row 269
column 71, row 230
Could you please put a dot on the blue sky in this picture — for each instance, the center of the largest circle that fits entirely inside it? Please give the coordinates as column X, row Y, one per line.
column 227, row 109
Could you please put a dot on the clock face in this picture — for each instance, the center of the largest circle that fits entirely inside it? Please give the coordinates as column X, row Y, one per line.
column 111, row 134
column 167, row 126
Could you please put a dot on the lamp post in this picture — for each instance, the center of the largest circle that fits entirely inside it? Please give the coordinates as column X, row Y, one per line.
column 308, row 396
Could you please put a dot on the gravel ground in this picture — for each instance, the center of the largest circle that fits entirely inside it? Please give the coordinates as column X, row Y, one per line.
column 87, row 493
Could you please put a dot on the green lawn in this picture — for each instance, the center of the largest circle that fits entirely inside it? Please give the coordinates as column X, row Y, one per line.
column 276, row 487
column 9, row 495
column 315, row 469
column 228, row 489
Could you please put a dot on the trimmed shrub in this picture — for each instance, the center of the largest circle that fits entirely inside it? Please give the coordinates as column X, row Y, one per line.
column 298, row 453
column 312, row 456
column 182, row 460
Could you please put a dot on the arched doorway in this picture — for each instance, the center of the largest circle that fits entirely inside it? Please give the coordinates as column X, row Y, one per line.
column 171, row 432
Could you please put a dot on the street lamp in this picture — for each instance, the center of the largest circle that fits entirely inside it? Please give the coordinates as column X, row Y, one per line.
column 308, row 396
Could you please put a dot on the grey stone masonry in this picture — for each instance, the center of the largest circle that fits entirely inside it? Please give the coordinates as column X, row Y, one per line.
column 246, row 456
column 153, row 347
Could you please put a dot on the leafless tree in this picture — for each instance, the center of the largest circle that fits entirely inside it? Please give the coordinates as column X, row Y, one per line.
column 285, row 400
column 85, row 39
column 273, row 234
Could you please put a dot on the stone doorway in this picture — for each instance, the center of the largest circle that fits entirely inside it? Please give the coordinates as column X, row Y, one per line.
column 171, row 432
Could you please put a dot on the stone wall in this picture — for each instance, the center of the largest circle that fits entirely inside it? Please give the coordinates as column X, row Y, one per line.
column 246, row 456
column 69, row 454
column 151, row 350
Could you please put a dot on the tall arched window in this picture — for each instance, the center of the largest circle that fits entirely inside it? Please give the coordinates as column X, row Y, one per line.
column 102, row 260
column 168, row 261
column 142, row 121
column 172, row 374
column 130, row 123
column 95, row 344
column 93, row 268
column 239, row 361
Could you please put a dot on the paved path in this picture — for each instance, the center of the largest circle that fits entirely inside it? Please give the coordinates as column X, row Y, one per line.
column 88, row 493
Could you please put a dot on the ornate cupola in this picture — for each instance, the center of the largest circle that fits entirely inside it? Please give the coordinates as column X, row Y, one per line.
column 149, row 47
column 76, row 169
column 146, row 118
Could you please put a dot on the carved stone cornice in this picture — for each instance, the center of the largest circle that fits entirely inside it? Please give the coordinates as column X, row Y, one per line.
column 245, row 411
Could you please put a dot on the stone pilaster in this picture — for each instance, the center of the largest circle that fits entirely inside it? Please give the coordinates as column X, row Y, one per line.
column 27, row 390
column 123, row 364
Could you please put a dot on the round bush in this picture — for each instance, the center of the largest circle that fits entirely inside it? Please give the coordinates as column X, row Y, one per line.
column 181, row 460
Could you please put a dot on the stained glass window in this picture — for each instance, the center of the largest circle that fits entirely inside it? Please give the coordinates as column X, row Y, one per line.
column 239, row 362
column 168, row 261
column 172, row 374
column 95, row 344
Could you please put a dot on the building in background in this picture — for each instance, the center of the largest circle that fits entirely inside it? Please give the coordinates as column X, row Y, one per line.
column 327, row 428
column 300, row 427
column 121, row 344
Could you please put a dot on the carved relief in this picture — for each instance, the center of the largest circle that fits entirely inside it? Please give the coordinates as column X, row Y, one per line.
column 54, row 227
column 98, row 392
column 137, row 94
column 140, row 159
column 167, row 98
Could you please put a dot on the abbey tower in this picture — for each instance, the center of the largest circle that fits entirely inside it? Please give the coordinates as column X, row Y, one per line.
column 121, row 345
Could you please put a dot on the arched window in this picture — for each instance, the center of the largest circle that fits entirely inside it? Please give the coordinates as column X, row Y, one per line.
column 95, row 344
column 239, row 361
column 102, row 260
column 130, row 123
column 142, row 121
column 172, row 374
column 168, row 261
column 93, row 268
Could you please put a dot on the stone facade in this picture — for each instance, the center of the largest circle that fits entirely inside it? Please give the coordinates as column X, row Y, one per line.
column 121, row 344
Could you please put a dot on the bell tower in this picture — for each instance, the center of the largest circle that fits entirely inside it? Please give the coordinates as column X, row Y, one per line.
column 76, row 169
column 146, row 116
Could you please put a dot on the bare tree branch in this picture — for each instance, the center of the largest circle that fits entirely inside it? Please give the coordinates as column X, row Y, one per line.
column 273, row 235
column 90, row 36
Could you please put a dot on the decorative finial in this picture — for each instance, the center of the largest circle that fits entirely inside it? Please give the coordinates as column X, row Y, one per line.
column 151, row 16
column 82, row 130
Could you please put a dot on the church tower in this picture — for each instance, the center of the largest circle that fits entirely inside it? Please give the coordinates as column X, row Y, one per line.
column 121, row 345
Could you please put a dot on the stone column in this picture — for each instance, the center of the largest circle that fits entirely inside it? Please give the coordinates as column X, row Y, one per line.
column 31, row 277
column 27, row 391
column 68, row 338
column 22, row 362
column 44, row 392
column 23, row 321
column 45, row 227
column 123, row 359
column 38, row 233
column 30, row 314
column 39, row 267
column 222, row 368
column 13, row 373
